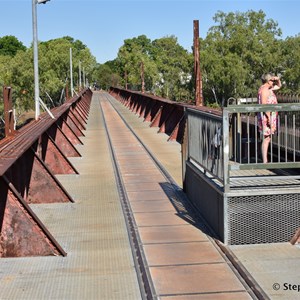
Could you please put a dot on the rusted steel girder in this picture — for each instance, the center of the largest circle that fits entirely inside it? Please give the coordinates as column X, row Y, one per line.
column 77, row 126
column 34, row 181
column 168, row 115
column 22, row 233
column 29, row 161
column 165, row 114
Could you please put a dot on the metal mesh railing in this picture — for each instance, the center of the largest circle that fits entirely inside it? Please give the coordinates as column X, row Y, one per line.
column 222, row 146
column 205, row 142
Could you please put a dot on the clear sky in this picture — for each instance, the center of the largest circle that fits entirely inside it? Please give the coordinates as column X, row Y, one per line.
column 103, row 25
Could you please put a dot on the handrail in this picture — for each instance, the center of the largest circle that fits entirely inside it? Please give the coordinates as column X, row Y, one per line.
column 222, row 146
column 29, row 161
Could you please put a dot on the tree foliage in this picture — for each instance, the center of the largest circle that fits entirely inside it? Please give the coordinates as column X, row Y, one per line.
column 10, row 45
column 133, row 56
column 237, row 50
column 16, row 70
column 290, row 64
column 174, row 67
column 235, row 53
column 166, row 65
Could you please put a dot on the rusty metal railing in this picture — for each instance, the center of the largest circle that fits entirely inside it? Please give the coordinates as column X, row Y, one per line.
column 29, row 161
column 167, row 115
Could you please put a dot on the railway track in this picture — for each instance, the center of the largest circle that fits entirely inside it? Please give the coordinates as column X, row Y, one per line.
column 175, row 253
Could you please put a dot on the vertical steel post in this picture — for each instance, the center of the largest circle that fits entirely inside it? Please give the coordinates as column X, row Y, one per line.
column 79, row 76
column 83, row 75
column 197, row 72
column 35, row 60
column 225, row 124
column 71, row 73
column 143, row 77
column 8, row 111
column 67, row 91
column 126, row 84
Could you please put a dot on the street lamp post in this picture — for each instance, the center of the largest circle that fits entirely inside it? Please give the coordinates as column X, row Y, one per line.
column 35, row 56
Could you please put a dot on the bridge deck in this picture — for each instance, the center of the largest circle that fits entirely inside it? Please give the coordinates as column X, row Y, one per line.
column 181, row 258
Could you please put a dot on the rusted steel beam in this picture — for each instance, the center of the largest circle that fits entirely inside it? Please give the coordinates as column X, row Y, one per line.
column 136, row 103
column 22, row 233
column 178, row 131
column 149, row 111
column 175, row 115
column 54, row 158
column 143, row 101
column 69, row 132
column 152, row 111
column 29, row 161
column 157, row 117
column 8, row 111
column 140, row 106
column 146, row 104
column 163, row 113
column 132, row 102
column 34, row 181
column 165, row 116
column 82, row 108
column 62, row 141
column 74, row 122
column 44, row 186
column 78, row 113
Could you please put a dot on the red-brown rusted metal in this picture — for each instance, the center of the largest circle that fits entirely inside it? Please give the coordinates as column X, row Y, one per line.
column 75, row 123
column 63, row 142
column 71, row 134
column 22, row 233
column 197, row 72
column 44, row 186
column 152, row 110
column 29, row 161
column 172, row 119
column 178, row 130
column 163, row 113
column 54, row 158
column 79, row 115
column 34, row 181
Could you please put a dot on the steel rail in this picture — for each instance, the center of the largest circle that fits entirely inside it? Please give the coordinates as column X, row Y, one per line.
column 144, row 278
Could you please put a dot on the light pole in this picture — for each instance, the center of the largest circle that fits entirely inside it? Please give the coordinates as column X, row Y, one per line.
column 71, row 73
column 35, row 56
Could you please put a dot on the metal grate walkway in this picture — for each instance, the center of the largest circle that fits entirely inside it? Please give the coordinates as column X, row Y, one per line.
column 181, row 260
column 92, row 231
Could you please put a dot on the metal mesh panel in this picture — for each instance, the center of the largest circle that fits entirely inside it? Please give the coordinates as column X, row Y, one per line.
column 262, row 219
column 205, row 141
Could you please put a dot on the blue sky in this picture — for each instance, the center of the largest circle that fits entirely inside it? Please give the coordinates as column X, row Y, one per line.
column 104, row 25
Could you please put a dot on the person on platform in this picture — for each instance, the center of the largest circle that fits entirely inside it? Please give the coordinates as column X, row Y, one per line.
column 267, row 121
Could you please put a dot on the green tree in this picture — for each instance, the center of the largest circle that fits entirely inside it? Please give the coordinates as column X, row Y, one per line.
column 10, row 45
column 54, row 68
column 290, row 61
column 236, row 52
column 174, row 65
column 131, row 56
column 54, row 64
column 104, row 77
